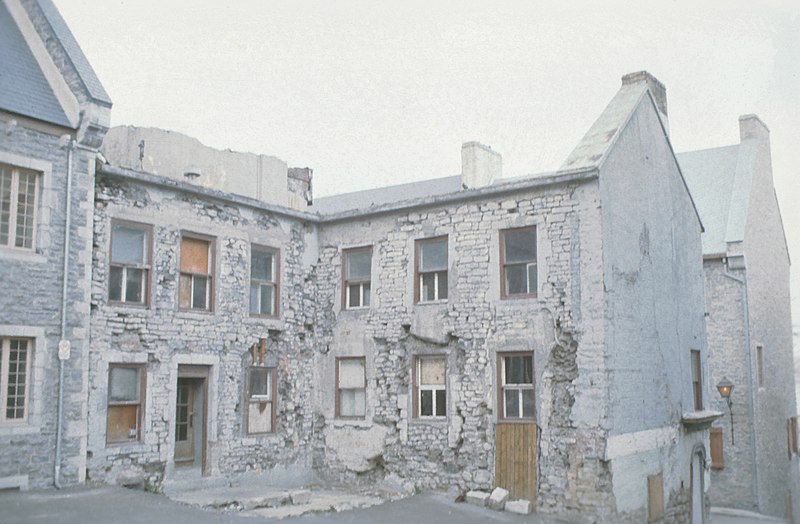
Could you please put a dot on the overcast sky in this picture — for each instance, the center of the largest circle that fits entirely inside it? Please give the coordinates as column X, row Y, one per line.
column 372, row 93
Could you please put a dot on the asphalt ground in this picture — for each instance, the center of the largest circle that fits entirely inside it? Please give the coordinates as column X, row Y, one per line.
column 107, row 504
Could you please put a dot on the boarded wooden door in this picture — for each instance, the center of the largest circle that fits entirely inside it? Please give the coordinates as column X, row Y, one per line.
column 515, row 459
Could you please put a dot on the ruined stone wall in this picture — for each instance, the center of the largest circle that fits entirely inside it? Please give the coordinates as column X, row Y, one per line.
column 470, row 328
column 30, row 308
column 162, row 337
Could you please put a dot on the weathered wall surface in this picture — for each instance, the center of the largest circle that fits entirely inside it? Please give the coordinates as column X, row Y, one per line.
column 654, row 312
column 171, row 154
column 767, row 275
column 469, row 328
column 729, row 357
column 164, row 337
column 30, row 307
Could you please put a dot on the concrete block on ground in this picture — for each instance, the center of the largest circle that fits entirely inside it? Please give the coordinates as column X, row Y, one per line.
column 498, row 498
column 300, row 496
column 479, row 498
column 522, row 506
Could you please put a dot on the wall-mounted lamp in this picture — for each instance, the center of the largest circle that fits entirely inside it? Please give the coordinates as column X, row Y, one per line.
column 725, row 388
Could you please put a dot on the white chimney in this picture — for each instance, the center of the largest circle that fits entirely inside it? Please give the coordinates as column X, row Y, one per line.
column 480, row 165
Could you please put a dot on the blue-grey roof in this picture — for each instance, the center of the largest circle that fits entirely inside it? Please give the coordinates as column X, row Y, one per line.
column 363, row 200
column 24, row 90
column 87, row 75
column 719, row 180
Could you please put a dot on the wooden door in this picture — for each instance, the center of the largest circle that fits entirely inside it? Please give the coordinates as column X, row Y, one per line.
column 184, row 421
column 515, row 459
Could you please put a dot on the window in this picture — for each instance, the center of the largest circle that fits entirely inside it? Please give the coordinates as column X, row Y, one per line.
column 357, row 269
column 125, row 402
column 791, row 435
column 264, row 281
column 261, row 391
column 516, row 386
column 717, row 455
column 431, row 394
column 130, row 262
column 15, row 357
column 431, row 270
column 18, row 202
column 196, row 279
column 518, row 262
column 655, row 497
column 697, row 380
column 351, row 398
column 760, row 365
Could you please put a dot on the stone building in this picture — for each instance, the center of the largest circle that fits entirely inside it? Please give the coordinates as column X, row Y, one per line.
column 442, row 334
column 53, row 115
column 746, row 264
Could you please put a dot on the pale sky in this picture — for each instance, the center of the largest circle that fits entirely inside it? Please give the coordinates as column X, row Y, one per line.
column 371, row 93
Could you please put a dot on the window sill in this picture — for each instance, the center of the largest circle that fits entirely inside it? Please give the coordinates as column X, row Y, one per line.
column 128, row 305
column 199, row 313
column 343, row 422
column 432, row 303
column 520, row 296
column 22, row 255
column 18, row 429
column 516, row 421
column 128, row 446
column 429, row 421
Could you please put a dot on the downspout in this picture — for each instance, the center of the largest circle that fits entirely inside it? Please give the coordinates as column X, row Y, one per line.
column 751, row 399
column 63, row 344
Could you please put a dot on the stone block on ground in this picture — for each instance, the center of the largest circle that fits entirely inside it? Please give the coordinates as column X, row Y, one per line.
column 498, row 498
column 479, row 498
column 300, row 496
column 522, row 507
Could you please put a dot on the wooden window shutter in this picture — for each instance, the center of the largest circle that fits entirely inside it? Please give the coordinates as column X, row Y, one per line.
column 789, row 439
column 655, row 496
column 717, row 455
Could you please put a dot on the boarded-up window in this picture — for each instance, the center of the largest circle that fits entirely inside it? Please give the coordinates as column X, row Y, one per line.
column 431, row 397
column 196, row 273
column 717, row 454
column 760, row 365
column 697, row 380
column 351, row 387
column 261, row 403
column 791, row 435
column 655, row 496
column 125, row 402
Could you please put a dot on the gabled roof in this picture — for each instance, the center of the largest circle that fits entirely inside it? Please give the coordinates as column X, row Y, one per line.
column 88, row 77
column 24, row 90
column 386, row 195
column 720, row 180
column 596, row 144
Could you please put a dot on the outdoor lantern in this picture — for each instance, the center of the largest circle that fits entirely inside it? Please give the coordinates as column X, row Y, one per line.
column 725, row 388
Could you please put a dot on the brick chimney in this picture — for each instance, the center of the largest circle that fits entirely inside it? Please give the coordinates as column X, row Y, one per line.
column 480, row 165
column 656, row 88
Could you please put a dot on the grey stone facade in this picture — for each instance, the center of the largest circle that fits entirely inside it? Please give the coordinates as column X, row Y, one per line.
column 747, row 294
column 32, row 277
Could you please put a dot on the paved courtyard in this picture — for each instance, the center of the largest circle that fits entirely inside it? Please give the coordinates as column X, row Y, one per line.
column 100, row 505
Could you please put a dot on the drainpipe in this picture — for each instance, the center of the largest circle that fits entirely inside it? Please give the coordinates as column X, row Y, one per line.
column 751, row 399
column 63, row 344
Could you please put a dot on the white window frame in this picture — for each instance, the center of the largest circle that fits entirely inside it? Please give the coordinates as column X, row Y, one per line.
column 209, row 302
column 274, row 284
column 5, row 357
column 14, row 209
column 420, row 275
column 144, row 266
column 269, row 398
column 141, row 386
column 340, row 390
column 519, row 388
column 361, row 283
column 433, row 388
